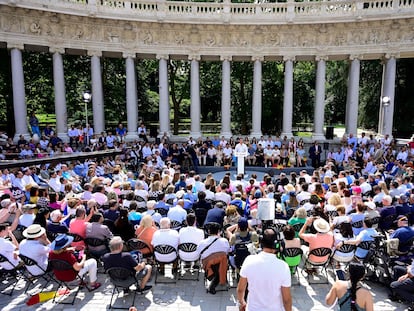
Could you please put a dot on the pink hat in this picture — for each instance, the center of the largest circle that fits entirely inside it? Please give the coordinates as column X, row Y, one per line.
column 356, row 190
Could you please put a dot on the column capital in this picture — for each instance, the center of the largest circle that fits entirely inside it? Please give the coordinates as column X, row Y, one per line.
column 260, row 58
column 196, row 57
column 289, row 57
column 56, row 49
column 392, row 55
column 129, row 55
column 356, row 56
column 15, row 45
column 321, row 57
column 94, row 53
column 226, row 57
column 162, row 56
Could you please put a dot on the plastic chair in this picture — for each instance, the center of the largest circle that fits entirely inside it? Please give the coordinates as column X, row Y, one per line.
column 94, row 242
column 176, row 225
column 293, row 257
column 135, row 244
column 62, row 265
column 365, row 245
column 45, row 275
column 122, row 278
column 318, row 252
column 188, row 250
column 345, row 249
column 9, row 278
column 164, row 249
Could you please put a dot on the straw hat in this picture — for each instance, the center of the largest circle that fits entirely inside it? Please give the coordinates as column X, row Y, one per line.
column 321, row 225
column 34, row 231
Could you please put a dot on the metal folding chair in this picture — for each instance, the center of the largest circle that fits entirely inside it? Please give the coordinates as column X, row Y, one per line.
column 61, row 265
column 45, row 275
column 293, row 257
column 318, row 252
column 9, row 278
column 190, row 251
column 122, row 279
column 164, row 249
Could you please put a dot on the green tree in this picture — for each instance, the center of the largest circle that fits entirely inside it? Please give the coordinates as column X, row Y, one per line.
column 241, row 94
column 303, row 91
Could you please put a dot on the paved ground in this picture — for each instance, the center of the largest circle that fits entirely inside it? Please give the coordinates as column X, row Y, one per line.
column 186, row 295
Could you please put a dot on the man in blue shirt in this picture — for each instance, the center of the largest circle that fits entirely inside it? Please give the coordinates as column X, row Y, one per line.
column 404, row 234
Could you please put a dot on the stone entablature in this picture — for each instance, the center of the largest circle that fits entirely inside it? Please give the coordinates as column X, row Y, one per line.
column 367, row 39
column 226, row 12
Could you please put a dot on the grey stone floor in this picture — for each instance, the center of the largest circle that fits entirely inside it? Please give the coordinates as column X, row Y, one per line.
column 186, row 295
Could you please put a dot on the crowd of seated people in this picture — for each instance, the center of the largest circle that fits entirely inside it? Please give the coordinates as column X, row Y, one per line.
column 56, row 208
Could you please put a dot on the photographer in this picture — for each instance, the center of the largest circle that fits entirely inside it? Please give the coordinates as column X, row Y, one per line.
column 268, row 277
column 322, row 238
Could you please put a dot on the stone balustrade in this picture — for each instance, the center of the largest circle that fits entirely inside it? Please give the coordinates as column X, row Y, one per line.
column 226, row 12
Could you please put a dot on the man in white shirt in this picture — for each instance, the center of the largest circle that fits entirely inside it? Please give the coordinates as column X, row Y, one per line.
column 223, row 142
column 73, row 134
column 228, row 154
column 213, row 253
column 146, row 151
column 27, row 177
column 268, row 277
column 177, row 213
column 54, row 181
column 110, row 139
column 223, row 195
column 18, row 181
column 211, row 155
column 36, row 247
column 8, row 248
column 167, row 236
column 190, row 234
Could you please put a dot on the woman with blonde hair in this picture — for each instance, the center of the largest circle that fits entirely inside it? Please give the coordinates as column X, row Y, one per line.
column 155, row 190
column 145, row 232
column 165, row 182
column 333, row 201
column 383, row 187
column 232, row 216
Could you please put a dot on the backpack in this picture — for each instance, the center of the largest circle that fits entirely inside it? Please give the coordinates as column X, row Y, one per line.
column 241, row 250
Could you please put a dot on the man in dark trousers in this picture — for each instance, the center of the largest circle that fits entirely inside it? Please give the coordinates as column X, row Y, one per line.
column 315, row 154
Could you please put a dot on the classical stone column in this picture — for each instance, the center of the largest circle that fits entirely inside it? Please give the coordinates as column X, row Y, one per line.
column 164, row 105
column 97, row 92
column 195, row 110
column 257, row 97
column 226, row 97
column 352, row 96
column 131, row 97
column 60, row 93
column 389, row 91
column 19, row 100
column 319, row 111
column 288, row 97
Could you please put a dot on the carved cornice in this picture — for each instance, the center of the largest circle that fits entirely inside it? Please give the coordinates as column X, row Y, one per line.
column 56, row 49
column 366, row 39
column 226, row 57
column 356, row 56
column 289, row 58
column 321, row 58
column 259, row 58
column 14, row 45
column 129, row 55
column 162, row 56
column 95, row 53
column 192, row 57
column 392, row 55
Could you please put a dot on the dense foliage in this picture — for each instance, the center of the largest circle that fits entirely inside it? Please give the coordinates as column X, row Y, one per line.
column 38, row 72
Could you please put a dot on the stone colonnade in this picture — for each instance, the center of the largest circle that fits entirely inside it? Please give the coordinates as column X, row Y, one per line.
column 20, row 109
